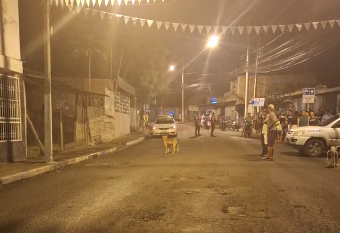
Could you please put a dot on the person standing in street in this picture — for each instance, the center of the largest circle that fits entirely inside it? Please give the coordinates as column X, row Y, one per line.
column 313, row 121
column 326, row 116
column 197, row 126
column 303, row 120
column 271, row 124
column 213, row 124
column 264, row 131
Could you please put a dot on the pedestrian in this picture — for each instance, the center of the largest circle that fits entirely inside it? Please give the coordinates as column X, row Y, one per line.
column 197, row 126
column 303, row 120
column 144, row 120
column 264, row 139
column 313, row 121
column 271, row 124
column 213, row 124
column 294, row 120
column 326, row 116
column 279, row 131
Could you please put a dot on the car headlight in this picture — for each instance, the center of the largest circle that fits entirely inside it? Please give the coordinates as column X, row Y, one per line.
column 299, row 133
column 174, row 126
column 154, row 127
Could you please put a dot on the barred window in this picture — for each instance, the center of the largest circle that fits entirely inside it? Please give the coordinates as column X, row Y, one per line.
column 10, row 112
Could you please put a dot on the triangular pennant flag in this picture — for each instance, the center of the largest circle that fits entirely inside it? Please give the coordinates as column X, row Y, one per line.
column 82, row 3
column 315, row 24
column 133, row 2
column 249, row 29
column 224, row 29
column 232, row 29
column 119, row 2
column 86, row 11
column 118, row 17
column 216, row 29
column 307, row 25
column 265, row 29
column 282, row 27
column 112, row 2
column 338, row 21
column 299, row 26
column 150, row 22
column 240, row 29
column 107, row 2
column 72, row 2
column 184, row 26
column 88, row 3
column 99, row 2
column 94, row 12
column 323, row 24
column 290, row 27
column 200, row 28
column 56, row 2
column 167, row 25
column 175, row 25
column 62, row 4
column 192, row 28
column 274, row 27
column 70, row 8
column 142, row 22
column 126, row 2
column 126, row 19
column 257, row 29
column 94, row 2
column 159, row 24
column 78, row 9
column 102, row 14
column 208, row 28
column 331, row 23
column 139, row 1
column 110, row 16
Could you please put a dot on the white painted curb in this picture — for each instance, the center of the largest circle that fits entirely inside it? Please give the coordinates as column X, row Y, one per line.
column 135, row 141
column 51, row 167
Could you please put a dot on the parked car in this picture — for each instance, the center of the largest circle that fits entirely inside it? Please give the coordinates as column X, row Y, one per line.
column 315, row 140
column 164, row 125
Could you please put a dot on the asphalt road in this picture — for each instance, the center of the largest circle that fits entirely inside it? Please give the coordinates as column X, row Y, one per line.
column 213, row 185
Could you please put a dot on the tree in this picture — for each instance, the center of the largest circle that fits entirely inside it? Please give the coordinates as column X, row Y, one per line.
column 90, row 43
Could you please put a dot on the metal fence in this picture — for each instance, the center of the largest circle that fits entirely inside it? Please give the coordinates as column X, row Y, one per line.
column 10, row 109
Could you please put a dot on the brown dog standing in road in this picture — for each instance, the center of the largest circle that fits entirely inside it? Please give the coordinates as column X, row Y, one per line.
column 170, row 141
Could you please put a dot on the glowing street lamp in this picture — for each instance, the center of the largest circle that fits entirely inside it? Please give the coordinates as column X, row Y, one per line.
column 213, row 41
column 172, row 68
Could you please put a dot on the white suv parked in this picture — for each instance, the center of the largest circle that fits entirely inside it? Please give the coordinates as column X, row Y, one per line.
column 315, row 140
column 164, row 125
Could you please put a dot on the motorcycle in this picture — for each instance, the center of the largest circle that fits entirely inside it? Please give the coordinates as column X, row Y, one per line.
column 207, row 124
column 223, row 124
column 235, row 126
column 247, row 129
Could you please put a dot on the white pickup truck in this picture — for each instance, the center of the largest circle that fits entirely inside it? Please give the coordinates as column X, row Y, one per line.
column 315, row 140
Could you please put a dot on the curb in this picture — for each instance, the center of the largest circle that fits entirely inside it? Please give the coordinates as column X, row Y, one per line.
column 51, row 167
column 135, row 141
column 57, row 165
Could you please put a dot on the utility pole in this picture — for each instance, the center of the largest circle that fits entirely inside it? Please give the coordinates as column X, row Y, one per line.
column 247, row 85
column 183, row 94
column 47, row 92
column 255, row 80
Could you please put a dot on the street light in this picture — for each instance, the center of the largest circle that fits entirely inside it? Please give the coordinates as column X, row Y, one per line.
column 213, row 41
column 172, row 68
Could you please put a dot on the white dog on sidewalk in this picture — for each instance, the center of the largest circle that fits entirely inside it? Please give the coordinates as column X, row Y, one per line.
column 332, row 157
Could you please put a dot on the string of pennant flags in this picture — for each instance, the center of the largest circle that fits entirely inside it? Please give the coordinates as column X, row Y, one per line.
column 201, row 28
column 82, row 3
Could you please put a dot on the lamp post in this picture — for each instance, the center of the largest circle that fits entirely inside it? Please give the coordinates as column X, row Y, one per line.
column 246, row 99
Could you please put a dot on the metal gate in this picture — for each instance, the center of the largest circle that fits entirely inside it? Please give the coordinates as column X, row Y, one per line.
column 80, row 123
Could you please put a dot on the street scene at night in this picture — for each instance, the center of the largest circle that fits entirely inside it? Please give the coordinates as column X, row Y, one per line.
column 169, row 116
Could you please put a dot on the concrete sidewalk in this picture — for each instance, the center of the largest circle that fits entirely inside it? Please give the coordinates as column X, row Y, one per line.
column 13, row 172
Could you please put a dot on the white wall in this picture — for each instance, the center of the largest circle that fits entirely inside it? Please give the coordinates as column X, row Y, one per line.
column 10, row 39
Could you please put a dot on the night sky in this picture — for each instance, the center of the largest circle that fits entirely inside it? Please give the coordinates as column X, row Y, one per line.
column 215, row 68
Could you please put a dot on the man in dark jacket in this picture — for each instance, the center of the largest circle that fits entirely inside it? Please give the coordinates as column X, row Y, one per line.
column 213, row 124
column 197, row 126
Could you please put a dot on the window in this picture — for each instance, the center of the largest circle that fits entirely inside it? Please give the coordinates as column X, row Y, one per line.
column 10, row 112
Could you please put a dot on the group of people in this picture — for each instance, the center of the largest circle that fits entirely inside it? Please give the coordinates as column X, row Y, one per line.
column 284, row 121
column 199, row 122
